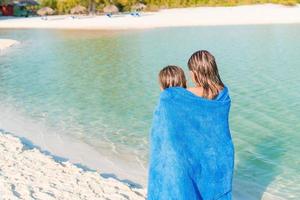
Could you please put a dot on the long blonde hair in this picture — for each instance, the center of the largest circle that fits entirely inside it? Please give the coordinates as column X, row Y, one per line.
column 204, row 68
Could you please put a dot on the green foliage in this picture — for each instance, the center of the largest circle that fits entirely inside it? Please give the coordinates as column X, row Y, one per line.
column 5, row 2
column 64, row 6
column 49, row 3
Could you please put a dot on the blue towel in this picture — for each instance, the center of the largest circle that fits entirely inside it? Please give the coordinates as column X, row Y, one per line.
column 192, row 154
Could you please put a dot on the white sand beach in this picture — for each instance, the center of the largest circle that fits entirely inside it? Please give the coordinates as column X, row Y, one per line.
column 201, row 16
column 29, row 174
column 6, row 43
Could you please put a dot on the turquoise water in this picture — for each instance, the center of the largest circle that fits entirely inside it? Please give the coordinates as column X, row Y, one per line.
column 101, row 88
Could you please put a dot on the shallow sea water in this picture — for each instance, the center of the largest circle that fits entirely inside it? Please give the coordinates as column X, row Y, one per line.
column 101, row 88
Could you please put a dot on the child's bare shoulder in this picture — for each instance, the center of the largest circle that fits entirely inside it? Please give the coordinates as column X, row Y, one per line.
column 195, row 90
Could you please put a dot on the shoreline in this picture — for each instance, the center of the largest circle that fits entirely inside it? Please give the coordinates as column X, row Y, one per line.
column 66, row 147
column 176, row 17
column 39, row 175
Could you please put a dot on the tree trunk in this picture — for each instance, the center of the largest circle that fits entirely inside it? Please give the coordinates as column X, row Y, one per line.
column 91, row 7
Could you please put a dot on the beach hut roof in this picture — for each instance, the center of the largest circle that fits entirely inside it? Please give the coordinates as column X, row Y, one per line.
column 111, row 9
column 78, row 10
column 29, row 2
column 45, row 11
column 138, row 6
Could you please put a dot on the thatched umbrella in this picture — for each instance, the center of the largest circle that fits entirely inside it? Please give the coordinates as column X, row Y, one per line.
column 111, row 9
column 45, row 11
column 29, row 2
column 138, row 7
column 78, row 10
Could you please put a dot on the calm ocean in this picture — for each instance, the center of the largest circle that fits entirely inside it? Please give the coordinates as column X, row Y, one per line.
column 100, row 88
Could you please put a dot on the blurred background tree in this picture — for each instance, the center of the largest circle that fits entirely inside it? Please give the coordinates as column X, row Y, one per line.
column 94, row 6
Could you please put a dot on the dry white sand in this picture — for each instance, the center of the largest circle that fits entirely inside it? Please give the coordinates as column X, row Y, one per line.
column 30, row 174
column 5, row 43
column 252, row 14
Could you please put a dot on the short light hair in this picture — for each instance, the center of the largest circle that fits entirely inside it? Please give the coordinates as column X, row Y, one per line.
column 172, row 76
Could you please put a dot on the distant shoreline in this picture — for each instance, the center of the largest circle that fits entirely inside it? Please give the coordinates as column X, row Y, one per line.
column 179, row 17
